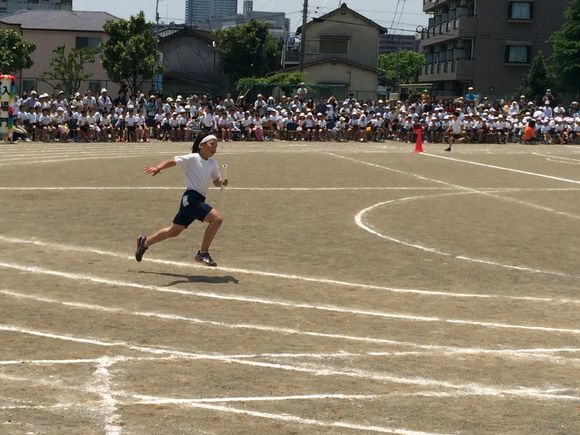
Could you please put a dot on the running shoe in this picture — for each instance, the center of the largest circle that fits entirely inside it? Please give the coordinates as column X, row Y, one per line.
column 447, row 149
column 205, row 259
column 141, row 247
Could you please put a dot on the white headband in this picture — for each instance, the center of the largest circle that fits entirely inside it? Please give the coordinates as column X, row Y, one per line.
column 208, row 138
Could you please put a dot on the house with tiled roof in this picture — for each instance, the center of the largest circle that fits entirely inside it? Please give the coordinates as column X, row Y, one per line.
column 341, row 52
column 50, row 29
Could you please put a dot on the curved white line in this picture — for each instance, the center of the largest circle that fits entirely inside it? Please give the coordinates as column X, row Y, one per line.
column 189, row 265
column 457, row 186
column 426, row 350
column 284, row 303
column 361, row 224
column 480, row 389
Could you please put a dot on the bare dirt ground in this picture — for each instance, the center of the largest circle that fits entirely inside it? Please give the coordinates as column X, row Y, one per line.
column 361, row 288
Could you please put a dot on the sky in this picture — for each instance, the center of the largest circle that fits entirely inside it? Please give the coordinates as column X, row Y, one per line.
column 408, row 16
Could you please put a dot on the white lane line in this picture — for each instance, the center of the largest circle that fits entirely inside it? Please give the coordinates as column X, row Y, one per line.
column 101, row 385
column 282, row 189
column 358, row 217
column 502, row 168
column 266, row 189
column 552, row 393
column 67, row 154
column 464, row 188
column 50, row 362
column 360, row 222
column 429, row 350
column 57, row 406
column 558, row 159
column 35, row 162
column 154, row 400
column 334, row 396
column 181, row 264
column 284, row 303
column 298, row 420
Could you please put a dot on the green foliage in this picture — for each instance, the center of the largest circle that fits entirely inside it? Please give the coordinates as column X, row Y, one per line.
column 538, row 79
column 68, row 69
column 281, row 79
column 248, row 50
column 131, row 52
column 15, row 52
column 401, row 67
column 566, row 46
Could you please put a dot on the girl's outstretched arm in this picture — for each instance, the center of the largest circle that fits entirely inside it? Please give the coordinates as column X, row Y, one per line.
column 154, row 170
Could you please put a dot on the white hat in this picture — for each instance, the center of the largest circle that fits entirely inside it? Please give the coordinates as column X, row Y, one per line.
column 104, row 90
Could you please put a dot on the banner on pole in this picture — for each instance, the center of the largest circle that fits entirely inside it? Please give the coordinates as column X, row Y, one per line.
column 7, row 93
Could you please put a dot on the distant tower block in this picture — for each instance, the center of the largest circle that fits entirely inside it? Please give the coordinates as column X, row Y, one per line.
column 248, row 8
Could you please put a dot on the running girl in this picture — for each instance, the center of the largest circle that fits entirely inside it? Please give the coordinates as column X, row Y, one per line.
column 200, row 169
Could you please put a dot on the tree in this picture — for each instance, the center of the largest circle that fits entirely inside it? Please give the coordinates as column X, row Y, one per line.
column 131, row 52
column 248, row 50
column 538, row 79
column 402, row 66
column 286, row 81
column 566, row 45
column 15, row 52
column 68, row 69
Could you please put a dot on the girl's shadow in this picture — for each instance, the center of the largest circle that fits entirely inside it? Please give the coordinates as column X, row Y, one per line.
column 195, row 278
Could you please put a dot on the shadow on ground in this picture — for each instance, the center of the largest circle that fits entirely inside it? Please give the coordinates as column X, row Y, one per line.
column 195, row 278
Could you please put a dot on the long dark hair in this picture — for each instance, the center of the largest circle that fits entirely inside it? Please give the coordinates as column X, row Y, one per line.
column 197, row 141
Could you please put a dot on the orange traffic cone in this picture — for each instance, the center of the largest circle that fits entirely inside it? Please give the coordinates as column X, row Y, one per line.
column 419, row 143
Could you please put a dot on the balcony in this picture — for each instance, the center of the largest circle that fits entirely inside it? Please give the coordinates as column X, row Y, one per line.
column 457, row 27
column 291, row 56
column 457, row 69
column 429, row 5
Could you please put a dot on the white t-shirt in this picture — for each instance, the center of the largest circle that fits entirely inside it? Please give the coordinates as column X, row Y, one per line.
column 198, row 172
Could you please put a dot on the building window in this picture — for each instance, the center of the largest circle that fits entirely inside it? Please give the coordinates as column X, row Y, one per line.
column 520, row 10
column 88, row 42
column 518, row 54
column 95, row 87
column 333, row 45
column 28, row 85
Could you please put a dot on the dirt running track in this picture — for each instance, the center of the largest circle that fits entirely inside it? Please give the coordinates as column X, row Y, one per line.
column 361, row 288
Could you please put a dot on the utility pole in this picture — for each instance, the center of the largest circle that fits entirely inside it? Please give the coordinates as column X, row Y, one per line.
column 157, row 13
column 303, row 38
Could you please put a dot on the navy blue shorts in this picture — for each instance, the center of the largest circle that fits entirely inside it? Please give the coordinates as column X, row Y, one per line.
column 192, row 207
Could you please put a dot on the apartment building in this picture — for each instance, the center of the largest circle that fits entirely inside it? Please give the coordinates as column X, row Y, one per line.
column 11, row 6
column 487, row 44
column 196, row 10
column 392, row 43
